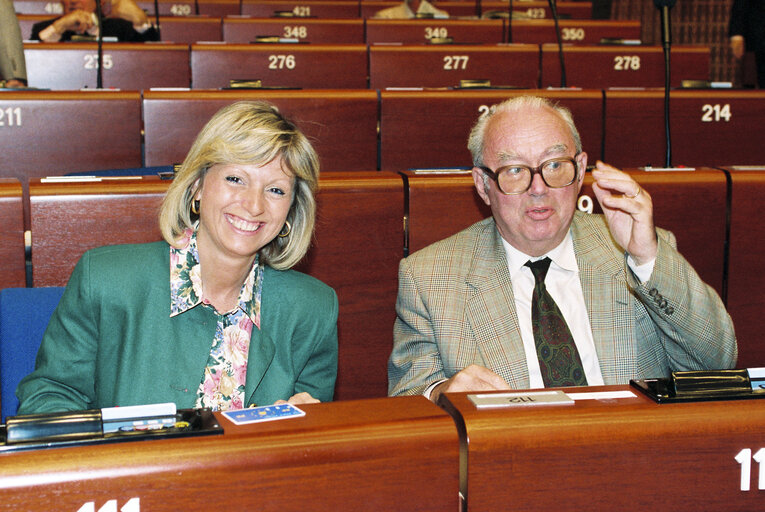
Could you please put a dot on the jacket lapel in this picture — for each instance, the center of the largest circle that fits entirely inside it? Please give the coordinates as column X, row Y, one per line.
column 259, row 358
column 491, row 312
column 602, row 272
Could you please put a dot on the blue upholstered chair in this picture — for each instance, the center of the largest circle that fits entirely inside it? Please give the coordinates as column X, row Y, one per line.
column 24, row 315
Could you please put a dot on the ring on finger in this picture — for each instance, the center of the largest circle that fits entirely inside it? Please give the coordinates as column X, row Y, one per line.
column 637, row 193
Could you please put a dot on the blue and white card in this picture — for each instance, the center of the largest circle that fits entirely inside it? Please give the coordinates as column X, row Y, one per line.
column 263, row 413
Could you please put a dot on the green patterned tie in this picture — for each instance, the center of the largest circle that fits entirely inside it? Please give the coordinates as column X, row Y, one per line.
column 558, row 358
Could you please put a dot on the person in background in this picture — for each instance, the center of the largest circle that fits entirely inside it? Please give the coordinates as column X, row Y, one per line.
column 747, row 33
column 409, row 9
column 122, row 19
column 542, row 295
column 212, row 316
column 13, row 70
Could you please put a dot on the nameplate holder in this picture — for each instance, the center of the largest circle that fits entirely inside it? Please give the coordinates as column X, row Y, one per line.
column 520, row 399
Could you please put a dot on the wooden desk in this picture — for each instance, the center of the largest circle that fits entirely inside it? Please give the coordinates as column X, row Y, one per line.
column 306, row 30
column 427, row 129
column 623, row 66
column 746, row 282
column 574, row 31
column 38, row 139
column 611, row 454
column 366, row 455
column 691, row 205
column 445, row 65
column 280, row 65
column 302, row 9
column 127, row 66
column 708, row 127
column 342, row 125
column 12, row 265
column 420, row 31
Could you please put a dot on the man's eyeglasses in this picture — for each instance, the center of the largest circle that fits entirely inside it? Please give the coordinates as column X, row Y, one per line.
column 516, row 179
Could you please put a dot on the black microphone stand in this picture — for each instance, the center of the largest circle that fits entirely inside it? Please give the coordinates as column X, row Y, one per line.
column 666, row 43
column 510, row 21
column 100, row 44
column 156, row 19
column 554, row 10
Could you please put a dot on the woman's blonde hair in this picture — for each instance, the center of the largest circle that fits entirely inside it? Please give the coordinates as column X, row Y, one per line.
column 248, row 133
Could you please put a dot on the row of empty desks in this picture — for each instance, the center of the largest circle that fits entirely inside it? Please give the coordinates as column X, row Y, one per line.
column 366, row 130
column 535, row 9
column 610, row 449
column 245, row 29
column 349, row 66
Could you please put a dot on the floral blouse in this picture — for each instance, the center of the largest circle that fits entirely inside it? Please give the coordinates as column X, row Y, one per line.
column 222, row 385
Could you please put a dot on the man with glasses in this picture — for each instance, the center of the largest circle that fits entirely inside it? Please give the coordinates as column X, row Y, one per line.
column 541, row 295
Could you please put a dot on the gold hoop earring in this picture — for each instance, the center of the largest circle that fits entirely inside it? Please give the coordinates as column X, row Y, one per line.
column 289, row 230
column 195, row 207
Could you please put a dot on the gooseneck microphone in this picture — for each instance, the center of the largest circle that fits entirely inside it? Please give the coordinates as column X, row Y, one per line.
column 666, row 42
column 510, row 21
column 156, row 19
column 554, row 11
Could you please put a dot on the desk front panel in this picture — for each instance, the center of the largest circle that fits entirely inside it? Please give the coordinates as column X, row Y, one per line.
column 190, row 29
column 612, row 454
column 707, row 127
column 217, row 8
column 357, row 248
column 68, row 219
column 341, row 125
column 746, row 281
column 427, row 129
column 622, row 66
column 280, row 65
column 12, row 266
column 421, row 31
column 573, row 31
column 317, row 31
column 126, row 66
column 38, row 139
column 301, row 9
column 366, row 455
column 444, row 66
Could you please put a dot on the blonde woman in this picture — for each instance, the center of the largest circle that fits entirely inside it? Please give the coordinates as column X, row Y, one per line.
column 212, row 316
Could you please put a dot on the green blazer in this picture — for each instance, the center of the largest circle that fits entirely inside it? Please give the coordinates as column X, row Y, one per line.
column 456, row 307
column 111, row 341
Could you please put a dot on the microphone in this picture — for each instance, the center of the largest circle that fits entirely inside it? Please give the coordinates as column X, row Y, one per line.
column 666, row 42
column 510, row 21
column 554, row 11
column 666, row 34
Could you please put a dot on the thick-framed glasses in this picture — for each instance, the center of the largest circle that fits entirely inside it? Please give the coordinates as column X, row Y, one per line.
column 516, row 179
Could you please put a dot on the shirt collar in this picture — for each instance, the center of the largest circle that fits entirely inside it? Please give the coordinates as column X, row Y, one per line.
column 563, row 256
column 186, row 280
